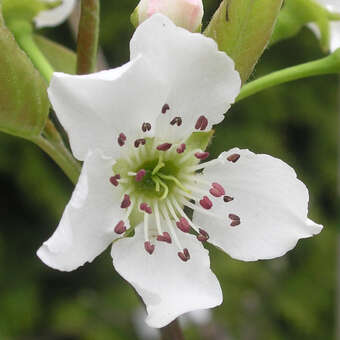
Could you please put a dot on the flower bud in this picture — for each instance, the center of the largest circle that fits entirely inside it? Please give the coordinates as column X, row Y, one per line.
column 184, row 13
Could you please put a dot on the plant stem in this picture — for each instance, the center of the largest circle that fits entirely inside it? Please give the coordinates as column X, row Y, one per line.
column 327, row 65
column 51, row 142
column 88, row 35
column 172, row 331
column 27, row 43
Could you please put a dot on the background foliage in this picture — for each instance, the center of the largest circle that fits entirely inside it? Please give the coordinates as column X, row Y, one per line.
column 287, row 298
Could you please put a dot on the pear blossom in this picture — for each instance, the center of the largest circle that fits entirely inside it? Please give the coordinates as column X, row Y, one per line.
column 184, row 13
column 332, row 6
column 55, row 16
column 139, row 130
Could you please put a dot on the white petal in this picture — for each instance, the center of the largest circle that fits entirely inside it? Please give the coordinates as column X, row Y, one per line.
column 201, row 79
column 87, row 226
column 94, row 109
column 335, row 35
column 55, row 16
column 168, row 286
column 270, row 201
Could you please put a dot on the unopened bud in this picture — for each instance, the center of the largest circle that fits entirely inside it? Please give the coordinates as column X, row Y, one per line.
column 184, row 13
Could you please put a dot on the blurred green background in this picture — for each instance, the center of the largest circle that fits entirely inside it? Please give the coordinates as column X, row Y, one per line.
column 292, row 297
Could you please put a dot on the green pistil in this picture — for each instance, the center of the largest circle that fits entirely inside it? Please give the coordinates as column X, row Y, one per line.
column 159, row 183
column 173, row 179
column 156, row 181
column 159, row 165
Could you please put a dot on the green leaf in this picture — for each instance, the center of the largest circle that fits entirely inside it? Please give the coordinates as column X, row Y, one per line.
column 242, row 28
column 199, row 140
column 296, row 14
column 62, row 59
column 24, row 104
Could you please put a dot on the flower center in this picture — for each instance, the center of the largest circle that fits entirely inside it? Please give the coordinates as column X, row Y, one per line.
column 158, row 180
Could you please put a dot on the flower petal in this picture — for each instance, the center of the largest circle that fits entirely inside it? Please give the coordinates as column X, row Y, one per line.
column 271, row 202
column 201, row 79
column 87, row 226
column 94, row 109
column 168, row 286
column 335, row 35
column 55, row 16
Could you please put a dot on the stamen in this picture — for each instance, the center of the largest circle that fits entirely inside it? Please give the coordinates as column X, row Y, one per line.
column 140, row 141
column 184, row 256
column 114, row 180
column 158, row 222
column 201, row 210
column 146, row 127
column 171, row 229
column 181, row 212
column 140, row 175
column 203, row 236
column 183, row 225
column 149, row 247
column 181, row 148
column 165, row 237
column 176, row 120
column 164, row 147
column 202, row 155
column 121, row 139
column 233, row 158
column 235, row 220
column 228, row 199
column 126, row 202
column 206, row 203
column 188, row 155
column 217, row 190
column 202, row 123
column 146, row 208
column 165, row 108
column 120, row 228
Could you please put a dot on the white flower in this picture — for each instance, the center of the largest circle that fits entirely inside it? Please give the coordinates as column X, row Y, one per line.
column 332, row 6
column 184, row 13
column 133, row 128
column 55, row 16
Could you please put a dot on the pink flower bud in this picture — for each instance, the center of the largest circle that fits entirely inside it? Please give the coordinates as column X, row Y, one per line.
column 184, row 13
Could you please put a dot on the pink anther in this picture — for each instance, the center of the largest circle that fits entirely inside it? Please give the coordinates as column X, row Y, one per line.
column 164, row 238
column 140, row 175
column 217, row 190
column 202, row 123
column 114, row 180
column 146, row 208
column 202, row 155
column 181, row 148
column 165, row 108
column 126, row 202
column 164, row 147
column 203, row 236
column 233, row 158
column 121, row 139
column 183, row 225
column 206, row 203
column 120, row 228
column 149, row 247
column 185, row 255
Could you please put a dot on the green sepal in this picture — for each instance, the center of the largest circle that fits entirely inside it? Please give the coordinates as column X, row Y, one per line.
column 296, row 14
column 24, row 104
column 242, row 29
column 134, row 18
column 61, row 59
column 199, row 140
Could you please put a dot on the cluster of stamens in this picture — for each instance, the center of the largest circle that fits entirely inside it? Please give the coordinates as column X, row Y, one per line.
column 164, row 179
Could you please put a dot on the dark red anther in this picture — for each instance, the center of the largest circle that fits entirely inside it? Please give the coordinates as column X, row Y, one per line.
column 235, row 220
column 202, row 155
column 149, row 247
column 126, row 202
column 234, row 157
column 164, row 147
column 146, row 127
column 146, row 208
column 114, row 180
column 164, row 238
column 201, row 123
column 203, row 236
column 140, row 175
column 176, row 121
column 165, row 108
column 206, row 203
column 228, row 199
column 217, row 190
column 121, row 139
column 120, row 228
column 185, row 255
column 181, row 148
column 139, row 142
column 183, row 225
